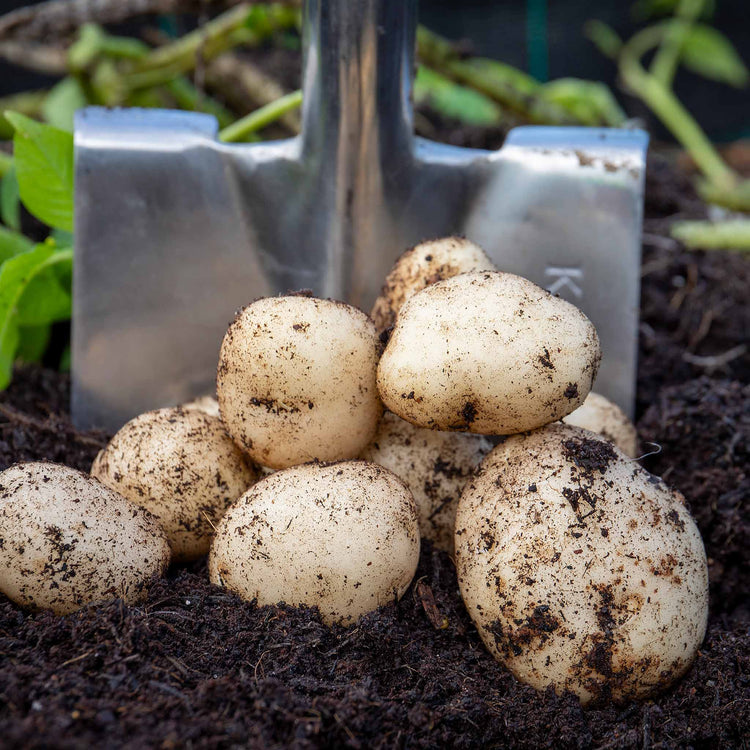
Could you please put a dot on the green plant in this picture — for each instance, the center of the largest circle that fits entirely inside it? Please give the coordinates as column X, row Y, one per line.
column 680, row 40
column 35, row 278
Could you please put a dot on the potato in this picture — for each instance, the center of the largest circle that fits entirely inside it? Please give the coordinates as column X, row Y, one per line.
column 342, row 537
column 182, row 466
column 207, row 404
column 296, row 380
column 66, row 540
column 606, row 418
column 487, row 352
column 421, row 266
column 580, row 569
column 435, row 466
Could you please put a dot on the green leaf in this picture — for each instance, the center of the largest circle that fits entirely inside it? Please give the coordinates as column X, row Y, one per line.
column 10, row 203
column 591, row 102
column 13, row 243
column 62, row 102
column 44, row 168
column 33, row 342
column 710, row 54
column 45, row 300
column 16, row 276
column 454, row 101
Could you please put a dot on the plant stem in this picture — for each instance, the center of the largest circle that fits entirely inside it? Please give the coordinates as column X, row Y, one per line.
column 668, row 108
column 188, row 97
column 255, row 121
column 667, row 58
column 706, row 235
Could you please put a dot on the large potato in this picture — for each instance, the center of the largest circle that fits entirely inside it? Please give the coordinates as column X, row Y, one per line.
column 342, row 537
column 422, row 265
column 487, row 352
column 435, row 466
column 182, row 466
column 580, row 569
column 296, row 380
column 601, row 415
column 66, row 540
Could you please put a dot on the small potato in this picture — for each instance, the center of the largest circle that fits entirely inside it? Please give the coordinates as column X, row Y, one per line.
column 580, row 569
column 421, row 266
column 207, row 404
column 296, row 380
column 435, row 466
column 342, row 537
column 182, row 466
column 66, row 540
column 487, row 352
column 606, row 418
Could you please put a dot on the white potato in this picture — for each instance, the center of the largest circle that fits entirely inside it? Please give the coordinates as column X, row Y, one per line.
column 182, row 466
column 487, row 352
column 580, row 569
column 606, row 418
column 435, row 466
column 66, row 540
column 421, row 266
column 207, row 404
column 296, row 380
column 342, row 537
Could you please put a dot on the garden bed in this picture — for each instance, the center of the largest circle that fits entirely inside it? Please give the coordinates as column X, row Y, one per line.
column 196, row 667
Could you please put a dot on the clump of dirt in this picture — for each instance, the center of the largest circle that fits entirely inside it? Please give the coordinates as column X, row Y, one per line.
column 703, row 430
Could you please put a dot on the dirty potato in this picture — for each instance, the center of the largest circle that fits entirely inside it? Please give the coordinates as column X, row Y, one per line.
column 580, row 569
column 343, row 537
column 421, row 266
column 66, row 540
column 487, row 352
column 296, row 380
column 182, row 466
column 606, row 418
column 435, row 466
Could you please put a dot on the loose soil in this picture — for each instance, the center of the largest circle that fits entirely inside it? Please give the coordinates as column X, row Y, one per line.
column 196, row 667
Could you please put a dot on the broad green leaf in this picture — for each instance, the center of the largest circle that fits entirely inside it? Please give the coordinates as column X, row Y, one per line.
column 13, row 243
column 16, row 275
column 44, row 168
column 45, row 300
column 62, row 238
column 10, row 203
column 62, row 102
column 591, row 102
column 454, row 101
column 709, row 53
column 33, row 342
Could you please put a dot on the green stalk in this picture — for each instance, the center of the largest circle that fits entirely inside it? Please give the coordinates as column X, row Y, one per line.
column 668, row 108
column 706, row 235
column 667, row 58
column 188, row 97
column 28, row 103
column 260, row 118
column 503, row 83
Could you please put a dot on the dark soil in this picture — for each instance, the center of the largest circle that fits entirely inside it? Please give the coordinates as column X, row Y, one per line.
column 197, row 667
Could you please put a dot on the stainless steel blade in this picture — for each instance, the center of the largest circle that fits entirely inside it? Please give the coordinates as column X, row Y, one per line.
column 175, row 231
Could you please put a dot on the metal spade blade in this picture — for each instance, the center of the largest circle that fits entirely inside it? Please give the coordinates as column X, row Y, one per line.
column 175, row 231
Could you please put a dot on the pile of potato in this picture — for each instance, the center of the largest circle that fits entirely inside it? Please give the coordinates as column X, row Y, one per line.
column 580, row 570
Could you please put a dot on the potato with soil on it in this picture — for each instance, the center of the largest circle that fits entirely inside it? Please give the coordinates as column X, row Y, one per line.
column 296, row 380
column 67, row 541
column 342, row 537
column 422, row 265
column 487, row 352
column 606, row 418
column 580, row 569
column 435, row 466
column 182, row 466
